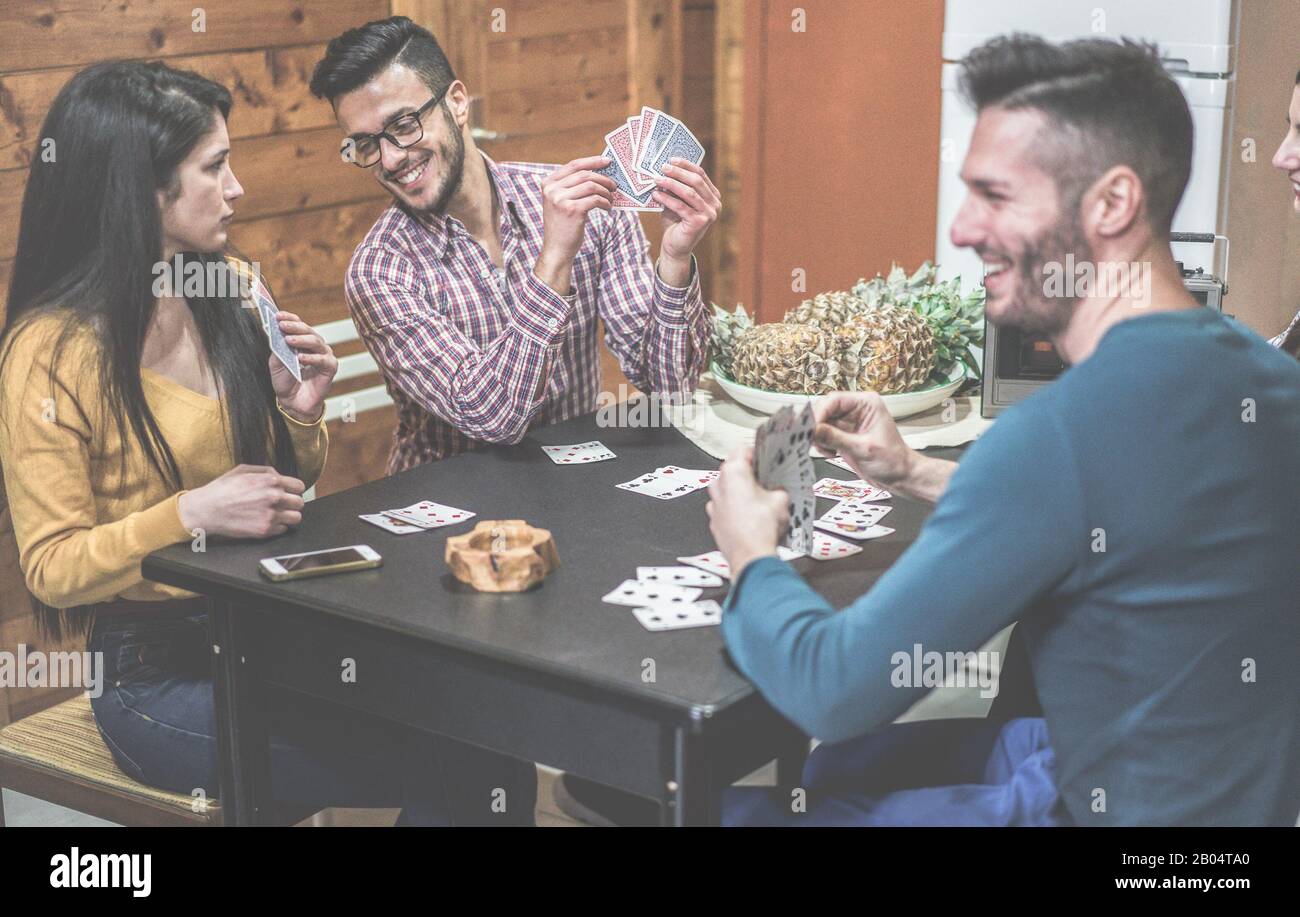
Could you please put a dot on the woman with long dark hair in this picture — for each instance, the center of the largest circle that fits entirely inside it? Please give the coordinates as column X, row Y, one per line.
column 139, row 409
column 1287, row 159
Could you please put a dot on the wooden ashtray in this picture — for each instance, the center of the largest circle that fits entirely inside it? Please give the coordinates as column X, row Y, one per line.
column 502, row 555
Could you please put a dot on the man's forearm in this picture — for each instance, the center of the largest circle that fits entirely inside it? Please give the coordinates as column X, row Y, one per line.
column 927, row 477
column 556, row 273
column 675, row 272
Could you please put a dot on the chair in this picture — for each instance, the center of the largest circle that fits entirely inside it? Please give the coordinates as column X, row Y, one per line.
column 58, row 755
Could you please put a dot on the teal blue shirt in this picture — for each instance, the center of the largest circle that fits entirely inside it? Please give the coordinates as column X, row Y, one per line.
column 1141, row 518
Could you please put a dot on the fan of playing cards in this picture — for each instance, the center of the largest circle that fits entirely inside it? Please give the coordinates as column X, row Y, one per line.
column 639, row 150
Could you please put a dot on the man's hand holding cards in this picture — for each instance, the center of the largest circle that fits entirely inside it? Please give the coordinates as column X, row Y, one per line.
column 651, row 163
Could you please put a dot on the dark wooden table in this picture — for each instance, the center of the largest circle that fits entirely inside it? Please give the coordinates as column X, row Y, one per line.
column 553, row 675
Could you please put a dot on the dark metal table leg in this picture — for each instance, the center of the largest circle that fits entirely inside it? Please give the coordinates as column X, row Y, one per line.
column 790, row 759
column 243, row 743
column 694, row 797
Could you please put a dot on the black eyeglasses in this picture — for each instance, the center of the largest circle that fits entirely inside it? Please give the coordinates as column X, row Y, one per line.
column 364, row 150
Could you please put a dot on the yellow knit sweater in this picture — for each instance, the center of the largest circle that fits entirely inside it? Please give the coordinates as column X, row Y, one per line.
column 82, row 527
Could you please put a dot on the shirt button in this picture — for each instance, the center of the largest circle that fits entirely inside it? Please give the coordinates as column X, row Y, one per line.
column 553, row 323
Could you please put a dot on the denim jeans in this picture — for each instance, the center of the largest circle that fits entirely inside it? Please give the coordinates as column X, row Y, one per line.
column 157, row 717
column 967, row 772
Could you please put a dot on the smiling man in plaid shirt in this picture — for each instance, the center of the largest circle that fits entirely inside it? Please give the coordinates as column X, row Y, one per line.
column 479, row 291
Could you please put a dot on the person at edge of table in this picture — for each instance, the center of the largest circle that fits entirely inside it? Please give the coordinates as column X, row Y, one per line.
column 1287, row 159
column 1139, row 517
column 478, row 292
column 135, row 417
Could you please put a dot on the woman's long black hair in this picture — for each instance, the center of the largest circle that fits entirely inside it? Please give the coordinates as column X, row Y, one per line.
column 90, row 237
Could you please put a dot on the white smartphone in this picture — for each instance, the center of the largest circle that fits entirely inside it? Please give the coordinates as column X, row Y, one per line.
column 320, row 563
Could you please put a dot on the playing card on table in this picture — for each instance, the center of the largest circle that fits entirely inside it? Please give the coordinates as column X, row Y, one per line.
column 696, row 477
column 711, row 561
column 652, row 484
column 619, row 143
column 678, row 576
column 640, row 595
column 857, row 534
column 669, row 482
column 680, row 143
column 391, row 524
column 856, row 490
column 579, row 453
column 861, row 512
column 714, row 562
column 824, row 547
column 697, row 614
column 626, row 197
column 839, row 462
column 855, row 519
column 430, row 515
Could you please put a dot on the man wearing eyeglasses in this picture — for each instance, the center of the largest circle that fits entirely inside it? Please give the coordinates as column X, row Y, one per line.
column 479, row 291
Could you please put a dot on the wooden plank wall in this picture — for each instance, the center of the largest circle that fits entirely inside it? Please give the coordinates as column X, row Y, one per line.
column 728, row 90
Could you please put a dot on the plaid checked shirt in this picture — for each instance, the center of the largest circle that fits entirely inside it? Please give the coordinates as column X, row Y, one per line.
column 472, row 354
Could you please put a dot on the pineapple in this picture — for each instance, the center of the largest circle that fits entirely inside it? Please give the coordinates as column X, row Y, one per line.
column 727, row 327
column 957, row 323
column 780, row 357
column 826, row 310
column 889, row 334
column 888, row 349
column 897, row 287
column 954, row 324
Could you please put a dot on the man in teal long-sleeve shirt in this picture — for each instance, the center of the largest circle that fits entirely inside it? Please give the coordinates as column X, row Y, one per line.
column 1140, row 517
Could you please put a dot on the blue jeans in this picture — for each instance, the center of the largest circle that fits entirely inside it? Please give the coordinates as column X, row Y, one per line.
column 938, row 772
column 158, row 718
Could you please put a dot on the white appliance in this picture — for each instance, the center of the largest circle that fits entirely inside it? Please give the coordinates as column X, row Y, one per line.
column 1197, row 40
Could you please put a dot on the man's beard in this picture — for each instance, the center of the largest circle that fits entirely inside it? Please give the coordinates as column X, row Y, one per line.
column 1034, row 311
column 453, row 154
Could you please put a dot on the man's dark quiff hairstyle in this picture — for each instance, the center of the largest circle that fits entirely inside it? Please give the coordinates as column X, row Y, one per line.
column 1106, row 103
column 358, row 55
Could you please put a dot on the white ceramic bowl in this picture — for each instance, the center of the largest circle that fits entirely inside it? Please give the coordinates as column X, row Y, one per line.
column 904, row 405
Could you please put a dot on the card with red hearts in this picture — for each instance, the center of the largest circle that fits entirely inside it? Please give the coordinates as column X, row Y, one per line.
column 579, row 453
